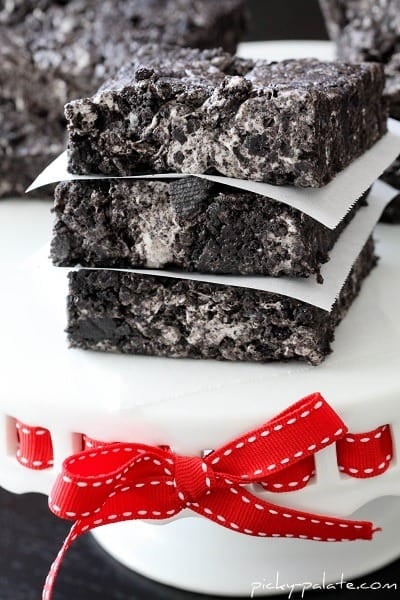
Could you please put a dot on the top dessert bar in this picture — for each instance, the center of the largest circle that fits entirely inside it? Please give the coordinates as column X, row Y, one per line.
column 296, row 122
column 366, row 30
column 53, row 51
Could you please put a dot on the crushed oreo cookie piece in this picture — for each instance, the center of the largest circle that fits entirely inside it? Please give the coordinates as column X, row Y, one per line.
column 188, row 195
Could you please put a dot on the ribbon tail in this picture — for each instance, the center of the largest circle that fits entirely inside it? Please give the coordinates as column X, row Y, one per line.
column 239, row 510
column 128, row 504
column 48, row 588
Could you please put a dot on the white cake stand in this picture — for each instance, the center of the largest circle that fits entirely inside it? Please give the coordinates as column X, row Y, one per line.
column 197, row 405
column 168, row 401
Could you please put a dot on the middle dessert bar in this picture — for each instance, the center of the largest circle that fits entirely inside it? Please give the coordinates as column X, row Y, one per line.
column 117, row 311
column 296, row 122
column 189, row 224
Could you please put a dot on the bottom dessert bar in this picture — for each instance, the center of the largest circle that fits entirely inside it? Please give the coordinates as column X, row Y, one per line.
column 119, row 311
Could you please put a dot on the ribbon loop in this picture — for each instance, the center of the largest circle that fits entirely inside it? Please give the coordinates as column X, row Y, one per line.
column 290, row 437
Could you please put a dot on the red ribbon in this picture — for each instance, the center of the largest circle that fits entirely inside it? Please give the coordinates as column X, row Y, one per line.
column 364, row 455
column 35, row 449
column 135, row 481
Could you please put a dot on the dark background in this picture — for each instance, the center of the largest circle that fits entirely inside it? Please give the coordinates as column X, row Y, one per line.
column 30, row 536
column 285, row 19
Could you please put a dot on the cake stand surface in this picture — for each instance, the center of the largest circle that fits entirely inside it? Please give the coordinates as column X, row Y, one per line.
column 198, row 405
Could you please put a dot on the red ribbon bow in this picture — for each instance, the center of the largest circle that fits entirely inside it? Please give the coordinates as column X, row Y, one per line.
column 121, row 482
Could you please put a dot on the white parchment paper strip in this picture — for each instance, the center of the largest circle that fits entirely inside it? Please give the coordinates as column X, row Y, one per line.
column 334, row 272
column 328, row 205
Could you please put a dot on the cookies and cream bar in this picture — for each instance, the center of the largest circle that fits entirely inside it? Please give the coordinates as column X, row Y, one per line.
column 295, row 122
column 193, row 23
column 189, row 224
column 366, row 30
column 117, row 311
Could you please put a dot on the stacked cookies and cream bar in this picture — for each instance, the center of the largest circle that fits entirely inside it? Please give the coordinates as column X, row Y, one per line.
column 210, row 265
column 366, row 30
